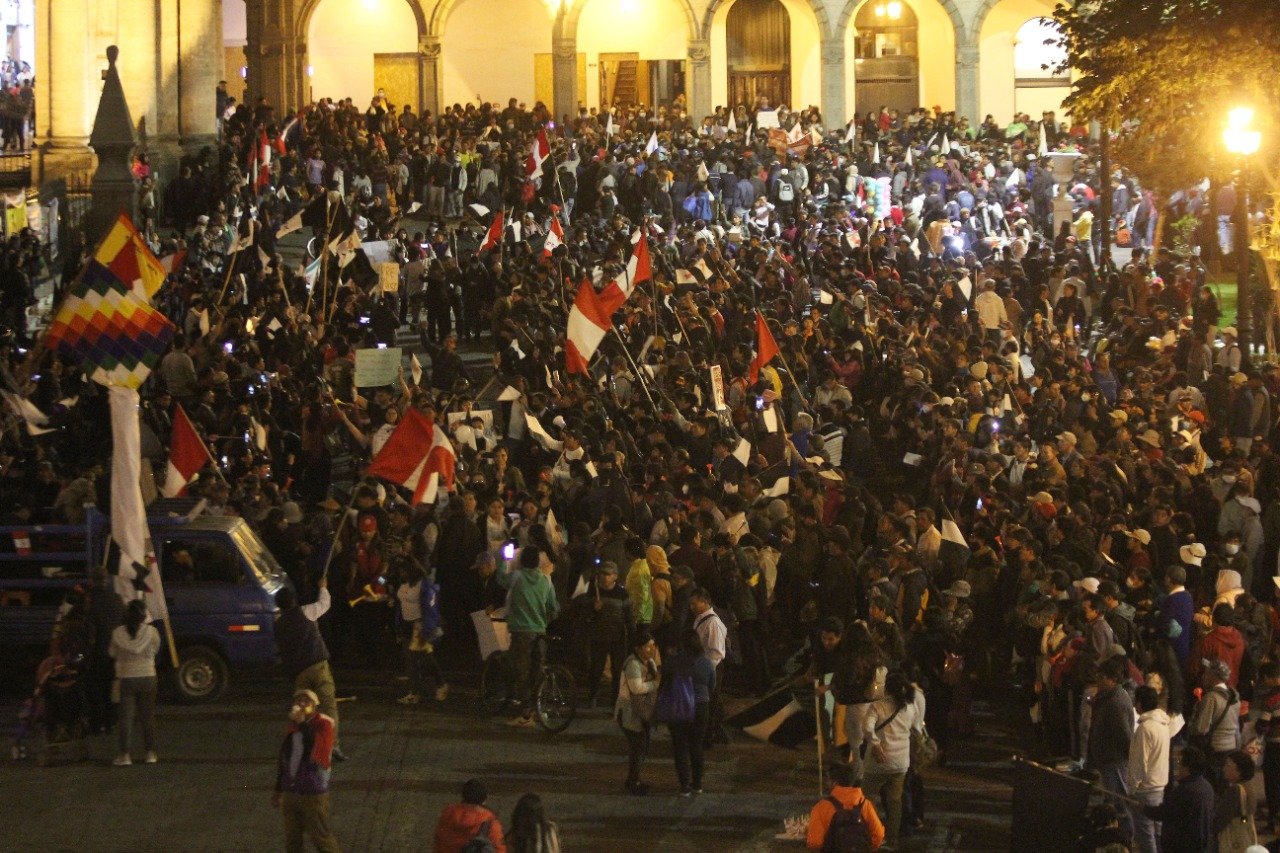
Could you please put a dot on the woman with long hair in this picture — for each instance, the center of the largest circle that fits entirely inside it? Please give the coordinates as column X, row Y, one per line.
column 530, row 830
column 887, row 733
column 133, row 647
column 634, row 709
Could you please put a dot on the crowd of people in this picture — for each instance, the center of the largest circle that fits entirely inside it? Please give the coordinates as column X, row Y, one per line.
column 979, row 451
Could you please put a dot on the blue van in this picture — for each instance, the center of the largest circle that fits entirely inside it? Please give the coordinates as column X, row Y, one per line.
column 219, row 584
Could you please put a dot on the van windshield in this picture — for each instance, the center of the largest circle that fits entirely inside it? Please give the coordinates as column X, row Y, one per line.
column 263, row 562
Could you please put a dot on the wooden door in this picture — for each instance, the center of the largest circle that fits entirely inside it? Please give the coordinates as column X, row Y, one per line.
column 400, row 76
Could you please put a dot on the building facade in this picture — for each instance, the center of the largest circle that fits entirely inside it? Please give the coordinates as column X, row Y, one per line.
column 846, row 56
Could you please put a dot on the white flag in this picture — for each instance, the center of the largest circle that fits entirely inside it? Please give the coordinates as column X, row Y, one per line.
column 733, row 122
column 608, row 126
column 652, row 145
column 875, row 155
column 415, row 369
column 911, row 160
column 1044, row 140
column 294, row 223
column 946, row 144
column 138, row 575
column 851, row 133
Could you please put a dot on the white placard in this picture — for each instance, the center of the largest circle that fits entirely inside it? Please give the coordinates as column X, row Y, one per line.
column 377, row 367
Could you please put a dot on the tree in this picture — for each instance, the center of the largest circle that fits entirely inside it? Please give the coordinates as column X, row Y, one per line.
column 1161, row 75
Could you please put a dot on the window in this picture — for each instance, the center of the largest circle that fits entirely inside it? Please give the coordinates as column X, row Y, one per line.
column 1035, row 56
column 199, row 561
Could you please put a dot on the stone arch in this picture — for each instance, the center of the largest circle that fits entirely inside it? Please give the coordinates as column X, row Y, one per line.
column 819, row 12
column 566, row 23
column 308, row 8
column 949, row 6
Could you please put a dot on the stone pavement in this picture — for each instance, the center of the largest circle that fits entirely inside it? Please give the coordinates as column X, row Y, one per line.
column 211, row 790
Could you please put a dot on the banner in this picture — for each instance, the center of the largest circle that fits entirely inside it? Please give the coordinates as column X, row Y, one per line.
column 389, row 277
column 717, row 387
column 377, row 367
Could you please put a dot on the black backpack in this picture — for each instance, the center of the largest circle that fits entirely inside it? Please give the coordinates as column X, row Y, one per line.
column 847, row 832
column 480, row 842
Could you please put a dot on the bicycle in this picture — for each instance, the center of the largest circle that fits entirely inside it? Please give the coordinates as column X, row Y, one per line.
column 553, row 687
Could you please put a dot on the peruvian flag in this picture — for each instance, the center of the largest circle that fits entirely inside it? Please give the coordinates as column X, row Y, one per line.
column 493, row 238
column 261, row 160
column 403, row 459
column 766, row 347
column 591, row 315
column 187, row 455
column 538, row 153
column 22, row 542
column 173, row 263
column 555, row 237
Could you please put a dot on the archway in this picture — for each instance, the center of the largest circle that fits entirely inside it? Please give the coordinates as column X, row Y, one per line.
column 803, row 38
column 900, row 54
column 493, row 50
column 634, row 50
column 1012, row 78
column 235, row 41
column 355, row 47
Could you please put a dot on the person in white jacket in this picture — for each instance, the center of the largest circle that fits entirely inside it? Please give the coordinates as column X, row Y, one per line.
column 133, row 647
column 886, row 734
column 1148, row 772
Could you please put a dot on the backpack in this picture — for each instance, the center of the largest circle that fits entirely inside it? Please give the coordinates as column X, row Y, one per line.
column 480, row 842
column 847, row 832
column 429, row 602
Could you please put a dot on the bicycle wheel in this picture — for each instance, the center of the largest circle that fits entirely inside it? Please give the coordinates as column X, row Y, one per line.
column 554, row 700
column 495, row 684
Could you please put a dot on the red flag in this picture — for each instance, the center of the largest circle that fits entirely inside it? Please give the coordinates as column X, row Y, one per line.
column 538, row 152
column 493, row 239
column 766, row 347
column 589, row 322
column 402, row 459
column 262, row 162
column 555, row 237
column 187, row 455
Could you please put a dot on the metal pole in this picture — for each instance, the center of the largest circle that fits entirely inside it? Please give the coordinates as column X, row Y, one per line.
column 1104, row 208
column 1244, row 314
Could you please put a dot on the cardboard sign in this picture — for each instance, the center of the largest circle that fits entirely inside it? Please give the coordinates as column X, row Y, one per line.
column 377, row 367
column 389, row 277
column 717, row 387
column 767, row 118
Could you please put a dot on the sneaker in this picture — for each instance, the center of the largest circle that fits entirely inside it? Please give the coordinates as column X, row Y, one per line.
column 442, row 692
column 338, row 754
column 122, row 760
column 408, row 699
column 686, row 791
column 524, row 721
column 152, row 758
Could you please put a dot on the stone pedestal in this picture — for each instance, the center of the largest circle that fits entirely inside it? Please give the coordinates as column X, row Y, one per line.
column 1062, row 164
column 834, row 112
column 113, row 141
column 967, row 58
column 699, row 80
column 564, row 76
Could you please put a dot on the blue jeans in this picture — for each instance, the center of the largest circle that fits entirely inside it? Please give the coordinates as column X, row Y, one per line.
column 1146, row 831
column 1112, row 779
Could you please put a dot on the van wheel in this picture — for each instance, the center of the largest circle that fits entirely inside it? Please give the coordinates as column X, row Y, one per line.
column 201, row 675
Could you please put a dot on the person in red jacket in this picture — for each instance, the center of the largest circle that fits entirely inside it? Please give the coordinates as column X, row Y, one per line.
column 461, row 822
column 1224, row 643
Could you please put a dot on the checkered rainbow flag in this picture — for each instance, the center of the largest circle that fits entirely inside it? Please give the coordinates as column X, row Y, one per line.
column 106, row 319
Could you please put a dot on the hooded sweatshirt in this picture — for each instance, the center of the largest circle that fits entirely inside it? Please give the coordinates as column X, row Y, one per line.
column 135, row 656
column 1228, row 587
column 1223, row 643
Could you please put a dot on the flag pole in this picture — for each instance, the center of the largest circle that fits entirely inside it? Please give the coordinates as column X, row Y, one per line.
column 820, row 727
column 639, row 374
column 342, row 523
column 231, row 266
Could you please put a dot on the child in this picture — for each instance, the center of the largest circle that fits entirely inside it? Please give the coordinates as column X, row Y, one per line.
column 418, row 598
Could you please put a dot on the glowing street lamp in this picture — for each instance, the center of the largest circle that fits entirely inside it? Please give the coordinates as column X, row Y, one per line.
column 1242, row 140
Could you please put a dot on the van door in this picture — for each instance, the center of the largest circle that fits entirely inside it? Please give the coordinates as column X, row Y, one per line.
column 211, row 599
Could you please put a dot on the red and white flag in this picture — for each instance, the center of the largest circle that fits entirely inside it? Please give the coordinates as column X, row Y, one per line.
column 493, row 238
column 187, row 455
column 403, row 459
column 261, row 160
column 538, row 153
column 592, row 313
column 22, row 542
column 555, row 237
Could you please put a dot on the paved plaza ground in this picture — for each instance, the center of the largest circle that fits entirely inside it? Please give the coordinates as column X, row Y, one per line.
column 211, row 790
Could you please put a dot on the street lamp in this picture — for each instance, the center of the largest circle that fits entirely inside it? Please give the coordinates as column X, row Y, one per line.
column 1242, row 141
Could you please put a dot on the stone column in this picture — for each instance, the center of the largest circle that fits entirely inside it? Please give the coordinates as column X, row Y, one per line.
column 277, row 67
column 967, row 57
column 699, row 80
column 200, row 62
column 833, row 83
column 564, row 76
column 430, row 81
column 64, row 83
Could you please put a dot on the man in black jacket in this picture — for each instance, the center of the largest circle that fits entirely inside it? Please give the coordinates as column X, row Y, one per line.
column 1111, row 730
column 1186, row 815
column 303, row 652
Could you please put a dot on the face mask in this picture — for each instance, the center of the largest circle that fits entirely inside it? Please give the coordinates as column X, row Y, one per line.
column 1231, row 549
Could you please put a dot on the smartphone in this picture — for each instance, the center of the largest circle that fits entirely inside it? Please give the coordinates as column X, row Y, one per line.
column 228, row 347
column 759, row 404
column 509, row 551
